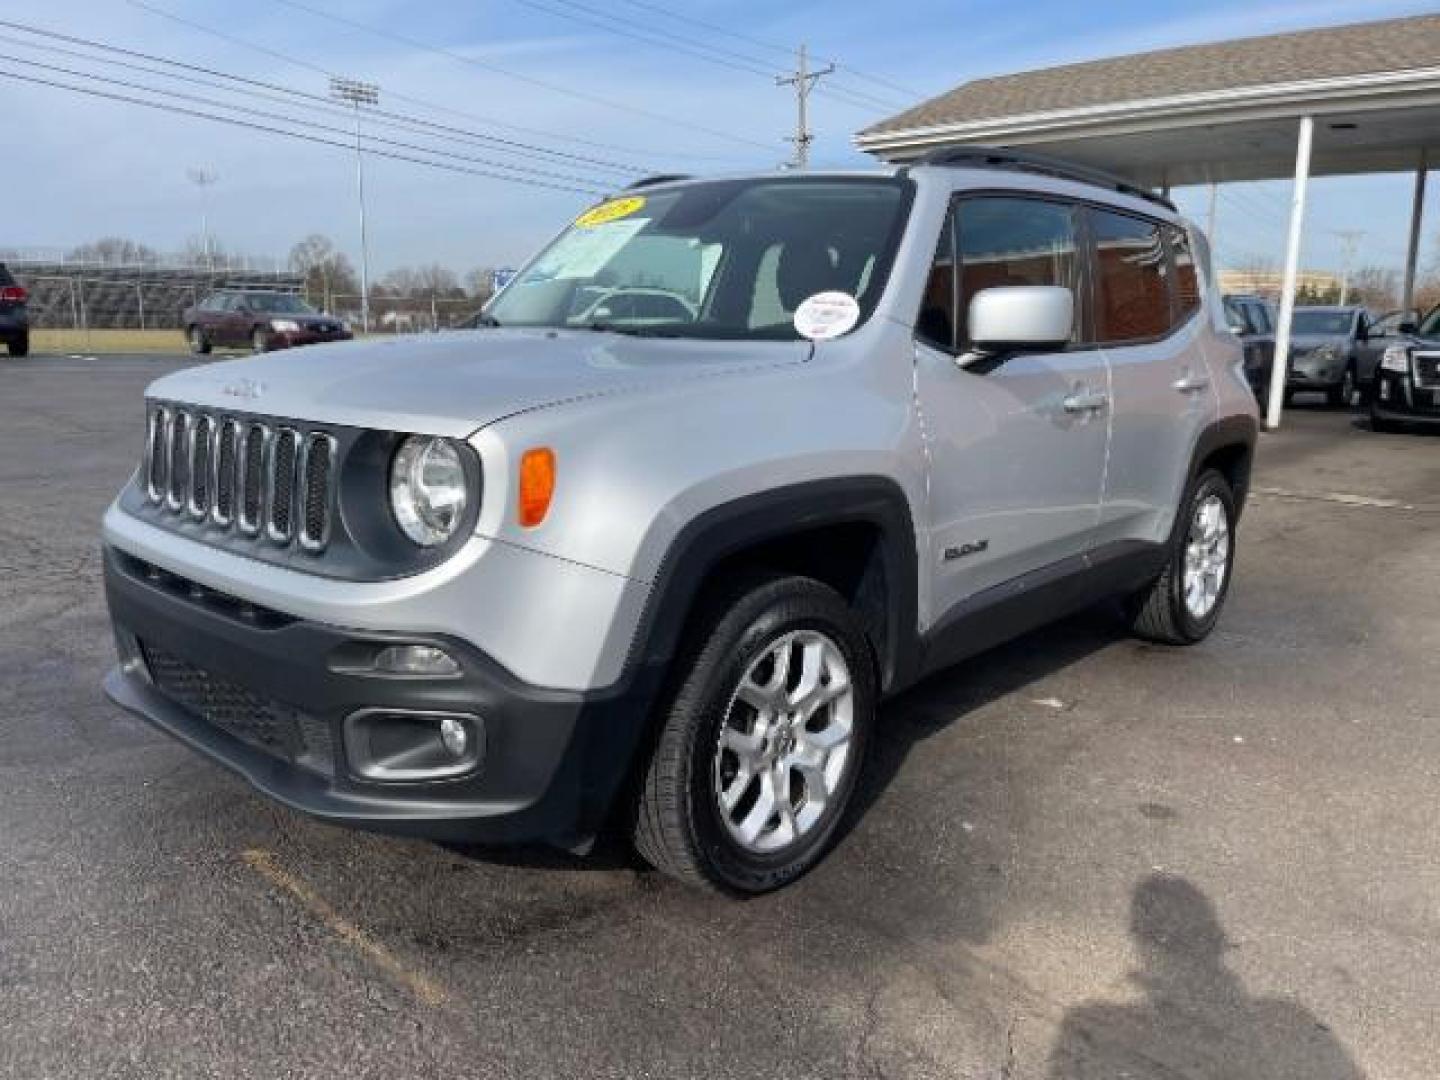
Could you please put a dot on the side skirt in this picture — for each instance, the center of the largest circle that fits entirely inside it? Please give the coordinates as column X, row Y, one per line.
column 1006, row 611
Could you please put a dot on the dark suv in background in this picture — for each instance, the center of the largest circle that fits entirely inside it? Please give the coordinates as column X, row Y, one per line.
column 1252, row 320
column 14, row 314
column 259, row 320
column 1407, row 377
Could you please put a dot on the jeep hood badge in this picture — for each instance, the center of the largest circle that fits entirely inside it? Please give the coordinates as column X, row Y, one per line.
column 248, row 389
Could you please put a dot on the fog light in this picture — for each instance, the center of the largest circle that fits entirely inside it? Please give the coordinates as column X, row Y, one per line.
column 398, row 745
column 422, row 660
column 454, row 736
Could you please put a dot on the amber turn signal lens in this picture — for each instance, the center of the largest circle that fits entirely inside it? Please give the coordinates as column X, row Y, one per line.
column 537, row 485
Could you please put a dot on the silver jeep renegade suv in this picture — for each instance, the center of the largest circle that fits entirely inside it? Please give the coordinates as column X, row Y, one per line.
column 730, row 462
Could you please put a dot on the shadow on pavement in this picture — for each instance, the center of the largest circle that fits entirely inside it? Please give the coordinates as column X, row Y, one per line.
column 1195, row 1018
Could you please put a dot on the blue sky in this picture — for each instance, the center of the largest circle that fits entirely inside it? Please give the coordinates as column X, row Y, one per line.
column 77, row 167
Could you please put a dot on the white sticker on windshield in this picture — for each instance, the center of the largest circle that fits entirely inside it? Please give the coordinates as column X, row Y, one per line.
column 826, row 315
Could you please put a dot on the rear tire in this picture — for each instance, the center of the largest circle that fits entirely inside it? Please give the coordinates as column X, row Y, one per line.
column 199, row 343
column 1183, row 604
column 19, row 345
column 756, row 764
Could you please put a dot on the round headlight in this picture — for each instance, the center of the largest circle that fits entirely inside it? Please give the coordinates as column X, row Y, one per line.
column 428, row 491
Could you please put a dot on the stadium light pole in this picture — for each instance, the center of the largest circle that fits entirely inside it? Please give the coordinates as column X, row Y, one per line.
column 356, row 93
column 204, row 178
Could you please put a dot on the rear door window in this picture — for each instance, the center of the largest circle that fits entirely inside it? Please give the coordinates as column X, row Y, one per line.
column 1132, row 288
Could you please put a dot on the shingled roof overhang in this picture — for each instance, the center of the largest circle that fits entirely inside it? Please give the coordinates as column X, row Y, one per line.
column 1217, row 112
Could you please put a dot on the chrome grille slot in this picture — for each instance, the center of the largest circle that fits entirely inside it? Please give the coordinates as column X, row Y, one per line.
column 317, row 459
column 252, row 477
column 1427, row 371
column 155, row 447
column 227, row 457
column 240, row 476
column 202, row 450
column 178, row 460
column 280, row 515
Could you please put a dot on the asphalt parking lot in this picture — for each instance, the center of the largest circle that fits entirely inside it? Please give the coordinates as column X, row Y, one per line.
column 1081, row 856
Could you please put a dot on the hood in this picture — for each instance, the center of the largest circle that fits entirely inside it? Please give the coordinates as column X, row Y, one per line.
column 454, row 383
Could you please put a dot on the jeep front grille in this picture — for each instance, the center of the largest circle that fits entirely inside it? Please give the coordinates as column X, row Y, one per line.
column 239, row 473
column 1427, row 371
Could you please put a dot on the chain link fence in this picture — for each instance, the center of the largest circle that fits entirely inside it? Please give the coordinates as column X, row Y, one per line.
column 404, row 314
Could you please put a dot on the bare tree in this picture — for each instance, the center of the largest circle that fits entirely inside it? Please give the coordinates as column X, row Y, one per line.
column 115, row 251
column 327, row 272
column 1375, row 287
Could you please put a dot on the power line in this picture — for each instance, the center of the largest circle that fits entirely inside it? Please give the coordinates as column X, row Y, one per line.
column 320, row 105
column 264, row 115
column 302, row 136
column 644, row 5
column 727, row 58
column 423, row 103
column 483, row 65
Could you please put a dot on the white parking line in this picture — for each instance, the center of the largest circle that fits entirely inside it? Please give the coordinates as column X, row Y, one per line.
column 1340, row 498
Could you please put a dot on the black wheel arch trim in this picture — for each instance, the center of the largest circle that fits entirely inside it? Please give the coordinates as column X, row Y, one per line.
column 1242, row 431
column 731, row 528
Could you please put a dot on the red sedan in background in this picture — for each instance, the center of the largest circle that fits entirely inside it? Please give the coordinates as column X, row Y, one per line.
column 260, row 320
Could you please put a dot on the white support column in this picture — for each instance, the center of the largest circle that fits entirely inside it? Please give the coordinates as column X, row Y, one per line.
column 1412, row 252
column 1281, row 367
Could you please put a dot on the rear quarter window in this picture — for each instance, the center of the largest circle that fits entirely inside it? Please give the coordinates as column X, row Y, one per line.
column 1132, row 290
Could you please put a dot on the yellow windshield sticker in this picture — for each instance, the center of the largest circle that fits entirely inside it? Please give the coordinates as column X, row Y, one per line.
column 613, row 210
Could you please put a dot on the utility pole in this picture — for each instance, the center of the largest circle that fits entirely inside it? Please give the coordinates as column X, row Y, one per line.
column 204, row 178
column 804, row 80
column 356, row 94
column 1349, row 241
column 1210, row 216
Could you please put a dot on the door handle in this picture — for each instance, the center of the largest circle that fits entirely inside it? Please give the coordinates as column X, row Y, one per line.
column 1190, row 384
column 1086, row 401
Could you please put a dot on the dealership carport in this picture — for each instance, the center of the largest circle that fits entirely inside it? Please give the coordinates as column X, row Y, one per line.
column 1345, row 100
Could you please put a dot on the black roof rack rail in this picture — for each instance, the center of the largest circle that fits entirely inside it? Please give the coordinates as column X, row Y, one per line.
column 999, row 157
column 660, row 178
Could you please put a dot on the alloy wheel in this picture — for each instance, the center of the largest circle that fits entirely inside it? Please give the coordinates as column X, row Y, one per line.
column 1207, row 556
column 785, row 742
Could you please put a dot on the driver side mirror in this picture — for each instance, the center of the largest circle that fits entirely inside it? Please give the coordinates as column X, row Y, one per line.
column 1019, row 318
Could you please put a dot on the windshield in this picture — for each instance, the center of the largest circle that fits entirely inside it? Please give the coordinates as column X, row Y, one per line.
column 278, row 304
column 1323, row 322
column 727, row 259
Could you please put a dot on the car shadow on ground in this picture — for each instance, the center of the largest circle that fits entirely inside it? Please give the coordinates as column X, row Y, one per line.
column 952, row 695
column 1194, row 1017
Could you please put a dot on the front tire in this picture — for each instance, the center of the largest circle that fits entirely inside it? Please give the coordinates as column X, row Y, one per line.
column 1342, row 396
column 259, row 341
column 1380, row 424
column 761, row 747
column 1183, row 604
column 199, row 343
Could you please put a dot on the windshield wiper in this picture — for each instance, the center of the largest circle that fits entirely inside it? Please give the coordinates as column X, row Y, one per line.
column 603, row 327
column 487, row 321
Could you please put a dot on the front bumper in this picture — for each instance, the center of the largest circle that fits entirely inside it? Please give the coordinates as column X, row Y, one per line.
column 553, row 760
column 290, row 339
column 1325, row 376
column 1398, row 398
